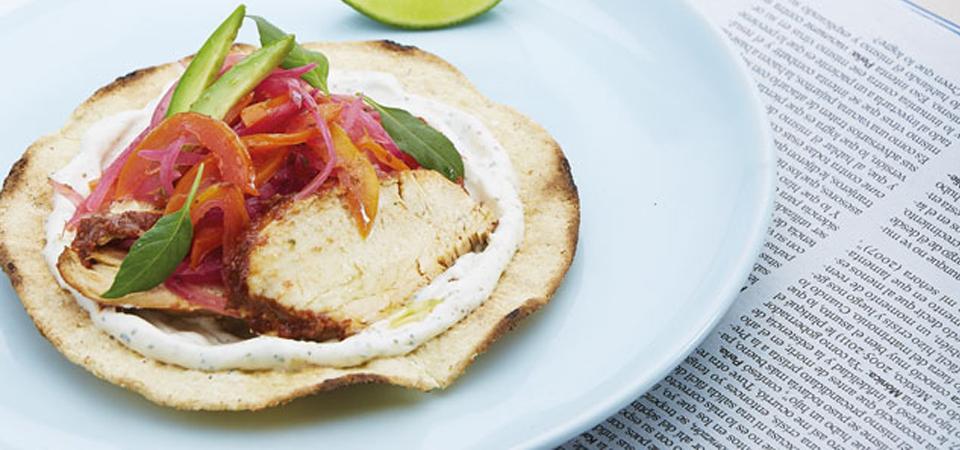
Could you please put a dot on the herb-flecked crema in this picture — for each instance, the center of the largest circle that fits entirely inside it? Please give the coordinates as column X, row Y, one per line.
column 200, row 344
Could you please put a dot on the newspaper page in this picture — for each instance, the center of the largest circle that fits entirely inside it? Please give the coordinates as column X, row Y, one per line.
column 847, row 334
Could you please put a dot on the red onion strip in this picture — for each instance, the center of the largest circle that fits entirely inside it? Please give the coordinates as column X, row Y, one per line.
column 168, row 164
column 331, row 156
column 196, row 294
column 67, row 191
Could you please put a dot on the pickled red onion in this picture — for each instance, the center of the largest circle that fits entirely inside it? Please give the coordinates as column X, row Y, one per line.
column 371, row 124
column 207, row 272
column 196, row 294
column 350, row 118
column 95, row 200
column 168, row 163
column 67, row 191
column 327, row 141
column 161, row 111
column 184, row 159
column 278, row 116
column 295, row 72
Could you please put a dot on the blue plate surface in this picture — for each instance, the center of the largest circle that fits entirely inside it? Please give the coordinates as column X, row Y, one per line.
column 668, row 146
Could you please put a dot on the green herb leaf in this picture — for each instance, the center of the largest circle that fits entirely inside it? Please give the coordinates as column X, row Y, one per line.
column 156, row 254
column 421, row 141
column 297, row 57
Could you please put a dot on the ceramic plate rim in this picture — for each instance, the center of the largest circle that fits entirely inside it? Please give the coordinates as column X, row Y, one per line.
column 613, row 403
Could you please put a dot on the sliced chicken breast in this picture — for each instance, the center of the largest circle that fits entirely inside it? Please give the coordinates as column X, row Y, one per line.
column 305, row 272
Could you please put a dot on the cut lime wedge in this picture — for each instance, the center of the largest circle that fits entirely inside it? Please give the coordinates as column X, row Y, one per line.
column 421, row 14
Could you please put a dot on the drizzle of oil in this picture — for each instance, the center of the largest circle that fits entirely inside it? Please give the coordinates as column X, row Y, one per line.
column 414, row 312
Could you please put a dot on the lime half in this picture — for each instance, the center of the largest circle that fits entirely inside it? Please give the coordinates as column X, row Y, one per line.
column 421, row 14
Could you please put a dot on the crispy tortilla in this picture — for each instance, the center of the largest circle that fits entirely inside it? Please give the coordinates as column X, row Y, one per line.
column 552, row 222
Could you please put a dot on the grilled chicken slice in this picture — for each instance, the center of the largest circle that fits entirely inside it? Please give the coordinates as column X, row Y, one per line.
column 304, row 271
column 103, row 266
column 93, row 258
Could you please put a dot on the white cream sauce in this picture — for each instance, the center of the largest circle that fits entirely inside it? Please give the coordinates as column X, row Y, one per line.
column 200, row 344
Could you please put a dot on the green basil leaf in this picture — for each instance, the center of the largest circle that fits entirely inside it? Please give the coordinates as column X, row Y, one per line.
column 156, row 254
column 297, row 57
column 425, row 144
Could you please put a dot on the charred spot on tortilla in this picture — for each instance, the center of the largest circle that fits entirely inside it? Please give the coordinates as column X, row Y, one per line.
column 16, row 174
column 397, row 47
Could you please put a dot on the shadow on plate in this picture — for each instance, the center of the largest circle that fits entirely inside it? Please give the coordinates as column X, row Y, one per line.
column 325, row 407
column 371, row 399
column 21, row 345
column 518, row 348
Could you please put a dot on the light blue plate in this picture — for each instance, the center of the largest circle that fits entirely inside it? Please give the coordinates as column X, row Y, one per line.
column 668, row 146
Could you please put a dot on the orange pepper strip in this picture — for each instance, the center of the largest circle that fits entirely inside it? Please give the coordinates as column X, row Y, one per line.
column 229, row 199
column 264, row 141
column 381, row 154
column 257, row 111
column 233, row 160
column 358, row 178
column 205, row 240
column 304, row 119
column 210, row 174
column 269, row 151
column 235, row 110
column 330, row 111
column 268, row 164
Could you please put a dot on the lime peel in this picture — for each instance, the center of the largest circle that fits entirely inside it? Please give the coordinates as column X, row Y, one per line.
column 421, row 14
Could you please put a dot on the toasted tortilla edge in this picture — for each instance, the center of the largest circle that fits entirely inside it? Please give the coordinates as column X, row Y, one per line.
column 552, row 213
